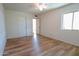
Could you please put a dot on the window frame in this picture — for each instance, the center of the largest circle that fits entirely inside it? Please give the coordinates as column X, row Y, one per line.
column 72, row 22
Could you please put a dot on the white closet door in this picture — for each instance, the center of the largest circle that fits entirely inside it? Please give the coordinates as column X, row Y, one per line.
column 22, row 26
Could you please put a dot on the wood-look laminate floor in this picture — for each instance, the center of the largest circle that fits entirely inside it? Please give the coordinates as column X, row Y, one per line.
column 39, row 46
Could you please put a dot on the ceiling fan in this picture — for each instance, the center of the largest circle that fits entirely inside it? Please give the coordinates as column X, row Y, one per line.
column 40, row 6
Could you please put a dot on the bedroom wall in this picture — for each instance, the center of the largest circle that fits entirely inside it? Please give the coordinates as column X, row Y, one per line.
column 51, row 25
column 2, row 30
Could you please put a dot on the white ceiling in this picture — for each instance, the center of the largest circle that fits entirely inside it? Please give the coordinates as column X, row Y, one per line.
column 29, row 7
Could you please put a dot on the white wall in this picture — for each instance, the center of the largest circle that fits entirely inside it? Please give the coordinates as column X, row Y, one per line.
column 51, row 25
column 2, row 30
column 18, row 24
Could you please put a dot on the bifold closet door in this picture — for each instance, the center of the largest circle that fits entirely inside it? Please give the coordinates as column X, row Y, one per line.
column 15, row 24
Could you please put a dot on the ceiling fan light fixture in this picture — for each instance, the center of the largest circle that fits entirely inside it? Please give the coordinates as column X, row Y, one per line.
column 41, row 6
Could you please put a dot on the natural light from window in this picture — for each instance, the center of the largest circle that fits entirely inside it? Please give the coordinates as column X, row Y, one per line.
column 71, row 21
column 67, row 21
column 76, row 21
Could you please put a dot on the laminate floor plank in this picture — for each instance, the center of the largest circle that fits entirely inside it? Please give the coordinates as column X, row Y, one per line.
column 39, row 46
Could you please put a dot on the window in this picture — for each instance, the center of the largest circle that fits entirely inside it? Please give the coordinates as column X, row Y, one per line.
column 71, row 21
column 76, row 21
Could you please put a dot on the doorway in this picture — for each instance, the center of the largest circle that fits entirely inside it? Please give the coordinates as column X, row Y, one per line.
column 34, row 26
